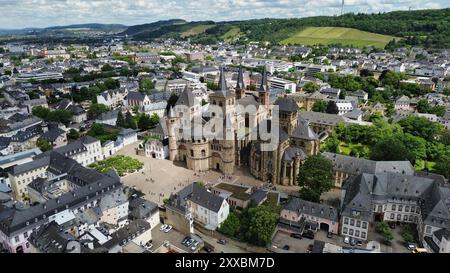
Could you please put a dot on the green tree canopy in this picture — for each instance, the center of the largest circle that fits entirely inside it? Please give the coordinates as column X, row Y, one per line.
column 44, row 145
column 320, row 106
column 316, row 177
column 231, row 225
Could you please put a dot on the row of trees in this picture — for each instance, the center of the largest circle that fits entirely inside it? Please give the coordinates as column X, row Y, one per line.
column 62, row 116
column 141, row 121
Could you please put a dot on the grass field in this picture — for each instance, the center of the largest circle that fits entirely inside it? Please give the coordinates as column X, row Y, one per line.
column 335, row 35
column 196, row 30
column 231, row 34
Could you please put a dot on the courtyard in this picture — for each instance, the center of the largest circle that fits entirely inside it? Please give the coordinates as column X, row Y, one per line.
column 160, row 178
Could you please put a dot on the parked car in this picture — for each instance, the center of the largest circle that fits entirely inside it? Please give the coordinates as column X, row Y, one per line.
column 286, row 247
column 168, row 228
column 352, row 242
column 189, row 242
column 194, row 245
column 411, row 247
column 308, row 234
column 310, row 247
column 148, row 246
column 163, row 227
column 359, row 243
column 346, row 240
column 296, row 235
column 207, row 249
column 185, row 240
column 392, row 225
column 221, row 241
column 329, row 235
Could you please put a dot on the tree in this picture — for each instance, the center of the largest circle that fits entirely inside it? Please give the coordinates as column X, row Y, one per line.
column 320, row 106
column 390, row 149
column 423, row 106
column 446, row 91
column 311, row 87
column 144, row 122
column 107, row 68
column 96, row 109
column 44, row 145
column 332, row 144
column 332, row 108
column 231, row 225
column 130, row 122
column 120, row 122
column 316, row 177
column 421, row 127
column 154, row 119
column 73, row 134
column 383, row 229
column 443, row 166
column 261, row 225
column 146, row 86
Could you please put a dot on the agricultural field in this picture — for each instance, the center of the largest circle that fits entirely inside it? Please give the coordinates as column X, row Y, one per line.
column 196, row 30
column 231, row 34
column 121, row 163
column 335, row 35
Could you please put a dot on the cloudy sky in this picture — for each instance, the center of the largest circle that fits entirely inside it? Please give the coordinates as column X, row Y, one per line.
column 43, row 13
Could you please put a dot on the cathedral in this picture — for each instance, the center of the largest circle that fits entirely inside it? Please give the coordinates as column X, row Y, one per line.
column 237, row 143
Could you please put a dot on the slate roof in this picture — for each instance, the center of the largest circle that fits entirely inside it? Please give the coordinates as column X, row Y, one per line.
column 363, row 190
column 23, row 168
column 205, row 198
column 186, row 98
column 303, row 130
column 354, row 165
column 310, row 208
column 141, row 208
column 287, row 105
column 124, row 234
column 52, row 135
column 321, row 118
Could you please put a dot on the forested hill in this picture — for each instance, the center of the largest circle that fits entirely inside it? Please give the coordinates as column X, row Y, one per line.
column 429, row 28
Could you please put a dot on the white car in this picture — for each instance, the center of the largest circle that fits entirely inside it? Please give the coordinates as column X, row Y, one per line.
column 194, row 245
column 346, row 240
column 168, row 228
column 411, row 247
column 163, row 227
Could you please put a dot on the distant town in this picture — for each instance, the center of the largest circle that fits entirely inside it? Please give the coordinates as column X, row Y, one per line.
column 116, row 144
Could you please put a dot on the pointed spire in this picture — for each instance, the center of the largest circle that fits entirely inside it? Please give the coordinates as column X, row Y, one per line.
column 222, row 81
column 171, row 112
column 263, row 87
column 240, row 79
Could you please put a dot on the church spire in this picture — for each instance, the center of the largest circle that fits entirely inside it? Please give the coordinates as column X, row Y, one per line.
column 222, row 81
column 240, row 79
column 263, row 86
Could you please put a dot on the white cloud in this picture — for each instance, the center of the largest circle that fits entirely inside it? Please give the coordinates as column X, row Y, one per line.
column 41, row 13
